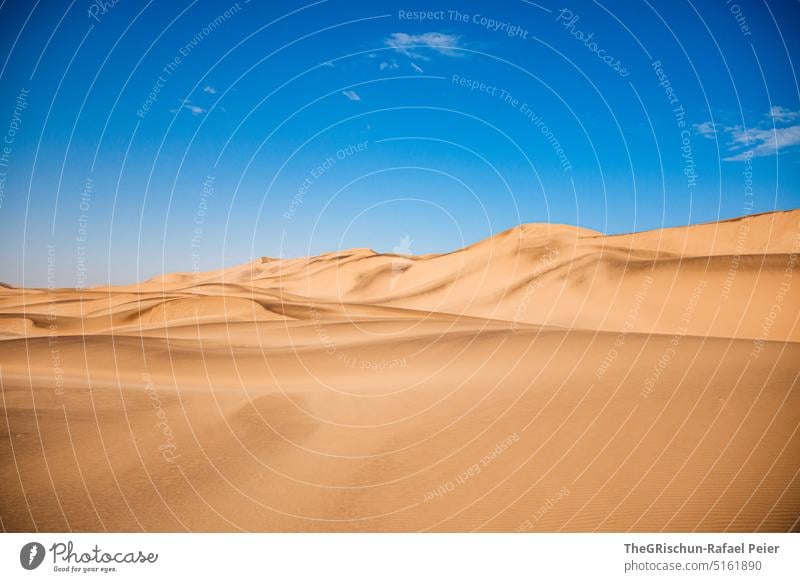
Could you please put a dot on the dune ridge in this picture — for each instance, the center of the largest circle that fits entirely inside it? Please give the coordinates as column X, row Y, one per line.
column 547, row 378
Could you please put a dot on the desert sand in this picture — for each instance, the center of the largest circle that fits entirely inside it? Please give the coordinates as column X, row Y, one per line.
column 548, row 378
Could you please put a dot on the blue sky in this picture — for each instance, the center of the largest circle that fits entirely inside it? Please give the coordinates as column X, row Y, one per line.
column 145, row 137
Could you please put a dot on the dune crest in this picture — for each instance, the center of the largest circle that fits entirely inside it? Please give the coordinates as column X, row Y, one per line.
column 578, row 276
column 546, row 378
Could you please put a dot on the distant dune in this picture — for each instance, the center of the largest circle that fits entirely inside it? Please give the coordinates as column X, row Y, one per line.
column 548, row 378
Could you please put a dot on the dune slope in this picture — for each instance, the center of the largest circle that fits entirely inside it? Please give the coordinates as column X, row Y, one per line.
column 548, row 378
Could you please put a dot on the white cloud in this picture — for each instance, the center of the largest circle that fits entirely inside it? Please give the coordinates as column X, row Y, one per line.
column 706, row 129
column 763, row 139
column 782, row 114
column 411, row 44
column 352, row 95
column 391, row 65
column 417, row 68
column 209, row 89
column 194, row 109
column 762, row 142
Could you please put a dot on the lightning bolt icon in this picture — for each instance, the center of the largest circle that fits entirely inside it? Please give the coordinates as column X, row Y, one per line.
column 32, row 555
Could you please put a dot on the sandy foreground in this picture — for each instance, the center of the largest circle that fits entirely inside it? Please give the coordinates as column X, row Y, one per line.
column 549, row 378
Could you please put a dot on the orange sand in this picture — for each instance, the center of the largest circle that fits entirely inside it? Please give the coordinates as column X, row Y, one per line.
column 548, row 378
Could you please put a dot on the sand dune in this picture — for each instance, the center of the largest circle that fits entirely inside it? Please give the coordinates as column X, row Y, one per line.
column 547, row 378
